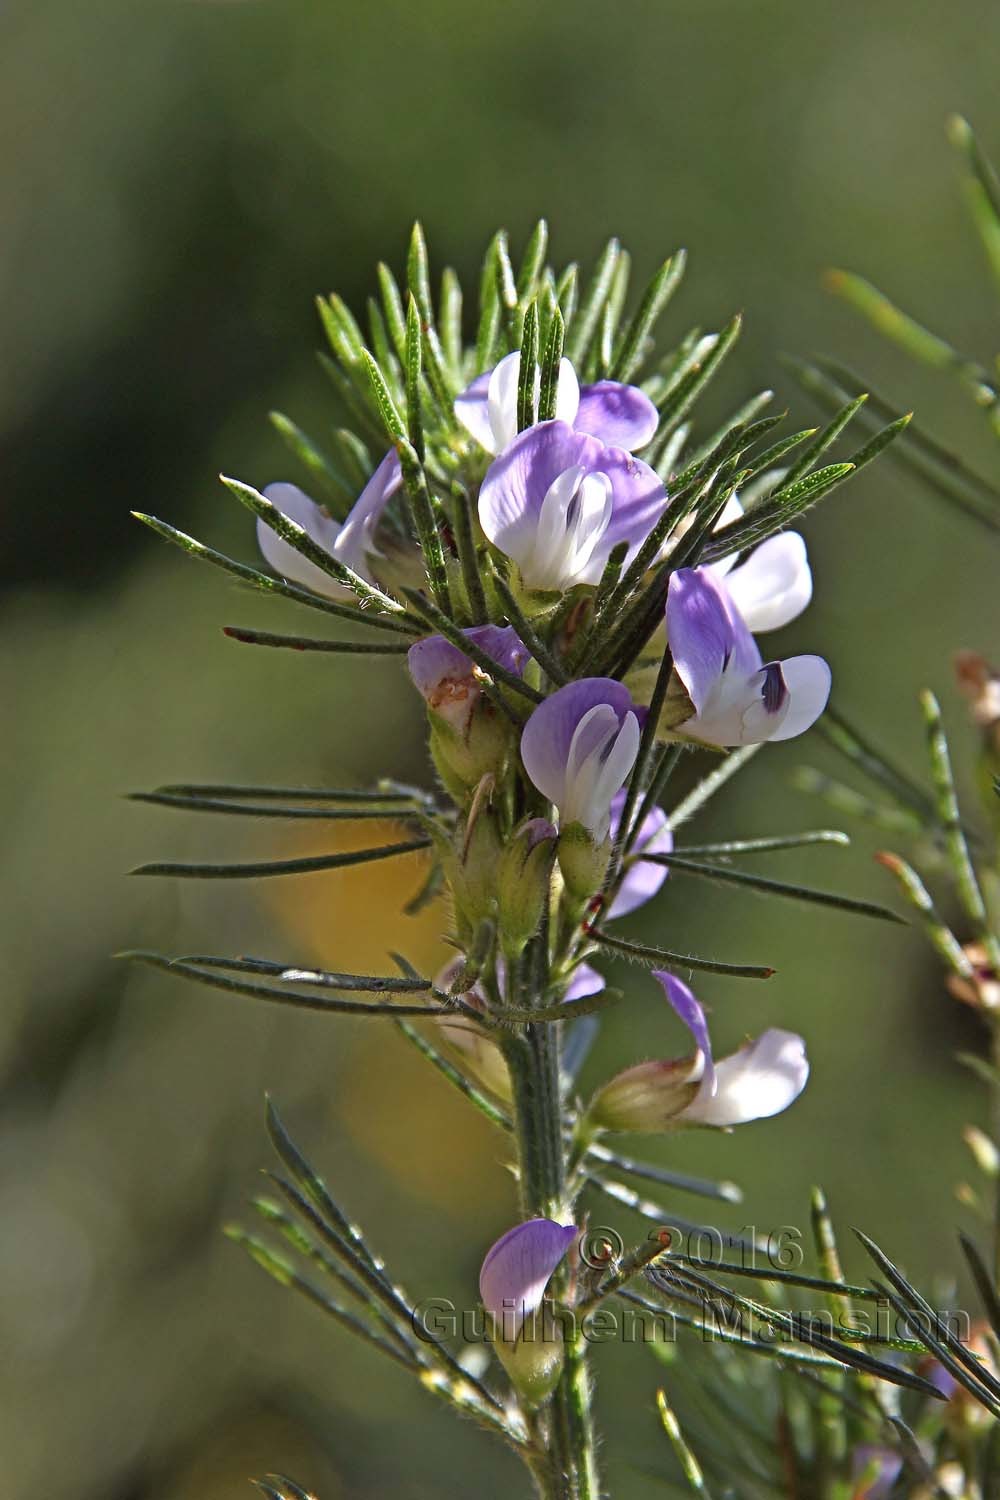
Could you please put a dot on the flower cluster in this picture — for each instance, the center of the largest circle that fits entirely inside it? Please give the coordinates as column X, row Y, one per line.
column 577, row 586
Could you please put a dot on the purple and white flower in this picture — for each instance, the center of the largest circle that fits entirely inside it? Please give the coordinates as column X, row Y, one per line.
column 518, row 1268
column 351, row 541
column 557, row 501
column 641, row 879
column 737, row 698
column 763, row 1078
column 446, row 678
column 617, row 414
column 579, row 746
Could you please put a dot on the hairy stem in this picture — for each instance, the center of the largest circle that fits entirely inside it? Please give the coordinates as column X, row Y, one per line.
column 563, row 1426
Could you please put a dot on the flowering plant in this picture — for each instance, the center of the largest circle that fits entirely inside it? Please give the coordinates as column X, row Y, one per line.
column 576, row 581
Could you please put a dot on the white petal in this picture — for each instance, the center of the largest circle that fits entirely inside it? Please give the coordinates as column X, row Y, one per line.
column 546, row 564
column 567, row 393
column 502, row 401
column 808, row 680
column 612, row 776
column 472, row 408
column 758, row 1081
column 774, row 585
column 314, row 520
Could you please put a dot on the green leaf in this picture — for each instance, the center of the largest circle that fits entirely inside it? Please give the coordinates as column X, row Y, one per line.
column 395, row 317
column 550, row 369
column 533, row 262
column 295, row 793
column 414, row 364
column 690, row 1466
column 456, row 1078
column 826, row 438
column 308, row 643
column 982, row 189
column 272, row 585
column 450, row 320
column 775, row 513
column 942, row 939
column 710, row 784
column 725, row 1192
column 766, row 845
column 263, row 868
column 267, row 810
column 660, row 957
column 769, row 887
column 325, row 477
column 298, row 999
column 686, row 391
column 585, row 321
column 654, row 300
column 527, row 413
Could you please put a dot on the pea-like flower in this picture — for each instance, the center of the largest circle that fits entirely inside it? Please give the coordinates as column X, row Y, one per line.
column 620, row 415
column 446, row 678
column 518, row 1268
column 763, row 1078
column 579, row 746
column 557, row 502
column 641, row 879
column 738, row 699
column 874, row 1471
column 351, row 541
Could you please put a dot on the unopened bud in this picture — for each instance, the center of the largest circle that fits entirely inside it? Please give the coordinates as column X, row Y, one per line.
column 534, row 1361
column 523, row 881
column 472, row 870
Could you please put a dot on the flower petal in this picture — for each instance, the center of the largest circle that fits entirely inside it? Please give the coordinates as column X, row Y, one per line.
column 808, row 680
column 518, row 1268
column 444, row 675
column 758, row 1081
column 690, row 1011
column 584, row 981
column 774, row 585
column 317, row 523
column 642, row 880
column 620, row 415
column 638, row 501
column 517, row 483
column 548, row 734
column 706, row 634
column 473, row 411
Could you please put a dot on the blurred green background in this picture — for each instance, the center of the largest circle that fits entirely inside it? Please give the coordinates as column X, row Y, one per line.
column 180, row 178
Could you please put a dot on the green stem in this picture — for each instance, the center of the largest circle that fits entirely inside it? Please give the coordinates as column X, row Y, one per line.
column 563, row 1427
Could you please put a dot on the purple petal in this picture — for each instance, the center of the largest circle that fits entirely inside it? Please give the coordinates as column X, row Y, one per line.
column 518, row 1268
column 584, row 981
column 620, row 415
column 706, row 633
column 642, row 880
column 358, row 532
column 548, row 734
column 638, row 501
column 691, row 1013
column 443, row 674
column 517, row 482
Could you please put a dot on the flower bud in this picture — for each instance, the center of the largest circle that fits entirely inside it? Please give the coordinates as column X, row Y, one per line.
column 534, row 1361
column 472, row 869
column 523, row 881
column 583, row 862
column 512, row 1283
column 470, row 737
